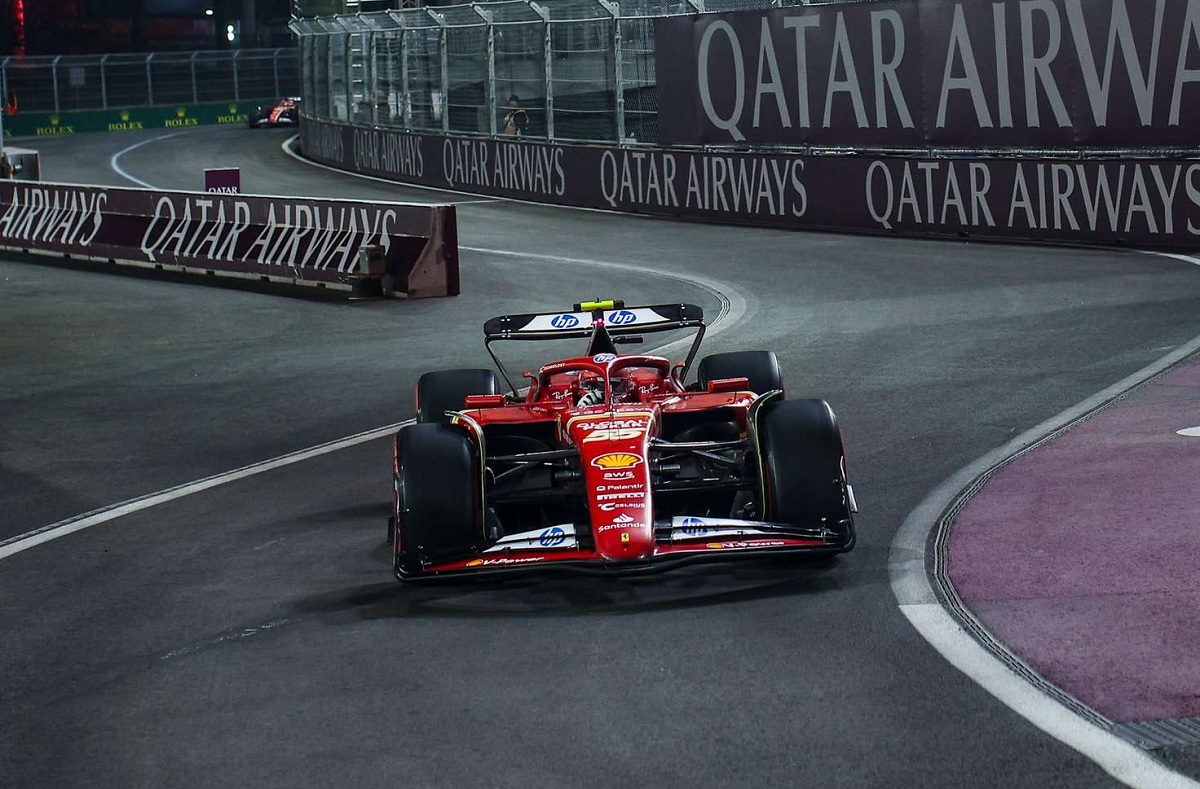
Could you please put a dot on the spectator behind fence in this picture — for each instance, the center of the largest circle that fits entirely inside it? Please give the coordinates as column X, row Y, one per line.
column 517, row 119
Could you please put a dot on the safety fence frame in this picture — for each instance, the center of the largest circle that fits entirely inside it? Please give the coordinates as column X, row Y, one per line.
column 68, row 83
column 581, row 70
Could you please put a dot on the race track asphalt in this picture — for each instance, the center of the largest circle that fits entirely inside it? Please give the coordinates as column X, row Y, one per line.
column 250, row 634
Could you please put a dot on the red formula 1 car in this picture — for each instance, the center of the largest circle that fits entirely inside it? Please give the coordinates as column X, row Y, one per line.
column 285, row 112
column 610, row 463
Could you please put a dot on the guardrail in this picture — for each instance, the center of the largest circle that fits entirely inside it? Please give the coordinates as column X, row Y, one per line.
column 380, row 247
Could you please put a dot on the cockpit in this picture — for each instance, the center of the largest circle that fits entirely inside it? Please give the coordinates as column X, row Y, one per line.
column 604, row 379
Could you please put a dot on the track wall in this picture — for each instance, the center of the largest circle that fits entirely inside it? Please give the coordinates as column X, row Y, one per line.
column 1142, row 202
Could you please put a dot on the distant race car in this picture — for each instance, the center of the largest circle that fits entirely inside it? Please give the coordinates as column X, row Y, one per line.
column 610, row 463
column 285, row 112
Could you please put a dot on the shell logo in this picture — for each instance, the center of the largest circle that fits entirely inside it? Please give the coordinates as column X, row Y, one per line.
column 616, row 460
column 474, row 563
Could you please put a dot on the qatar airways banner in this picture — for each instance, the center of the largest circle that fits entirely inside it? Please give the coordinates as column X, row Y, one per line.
column 297, row 239
column 975, row 74
column 1151, row 203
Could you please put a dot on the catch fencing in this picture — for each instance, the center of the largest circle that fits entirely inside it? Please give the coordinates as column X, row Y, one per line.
column 1032, row 78
column 580, row 69
column 68, row 83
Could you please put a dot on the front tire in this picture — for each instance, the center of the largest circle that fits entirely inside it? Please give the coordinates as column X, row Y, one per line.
column 447, row 390
column 760, row 368
column 438, row 488
column 802, row 462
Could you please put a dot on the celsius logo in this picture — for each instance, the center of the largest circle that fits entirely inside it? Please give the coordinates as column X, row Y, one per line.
column 564, row 321
column 622, row 318
column 694, row 527
column 552, row 537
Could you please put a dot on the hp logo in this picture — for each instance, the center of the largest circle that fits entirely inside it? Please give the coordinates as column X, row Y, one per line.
column 552, row 537
column 564, row 321
column 622, row 318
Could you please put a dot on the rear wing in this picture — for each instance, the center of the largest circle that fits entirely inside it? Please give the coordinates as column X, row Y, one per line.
column 618, row 320
column 603, row 322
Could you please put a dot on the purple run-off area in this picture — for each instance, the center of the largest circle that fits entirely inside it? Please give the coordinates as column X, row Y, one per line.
column 1083, row 555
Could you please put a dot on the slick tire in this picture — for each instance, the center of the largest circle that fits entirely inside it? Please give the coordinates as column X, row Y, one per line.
column 761, row 368
column 438, row 486
column 447, row 390
column 803, row 467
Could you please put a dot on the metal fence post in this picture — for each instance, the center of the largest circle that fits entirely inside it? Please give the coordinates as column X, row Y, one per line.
column 328, row 75
column 618, row 70
column 237, row 77
column 405, row 100
column 348, row 74
column 195, row 88
column 149, row 81
column 368, row 56
column 547, row 65
column 491, row 67
column 275, row 68
column 444, row 57
column 103, row 84
column 54, row 77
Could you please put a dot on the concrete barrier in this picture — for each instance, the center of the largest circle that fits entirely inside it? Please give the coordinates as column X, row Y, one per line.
column 392, row 247
column 1151, row 202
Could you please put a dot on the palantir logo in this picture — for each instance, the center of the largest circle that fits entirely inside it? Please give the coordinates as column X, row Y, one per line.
column 552, row 537
column 694, row 527
column 622, row 318
column 564, row 322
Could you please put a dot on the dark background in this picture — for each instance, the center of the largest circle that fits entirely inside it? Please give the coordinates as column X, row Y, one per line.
column 58, row 27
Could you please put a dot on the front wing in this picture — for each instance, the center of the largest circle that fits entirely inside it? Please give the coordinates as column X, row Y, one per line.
column 686, row 540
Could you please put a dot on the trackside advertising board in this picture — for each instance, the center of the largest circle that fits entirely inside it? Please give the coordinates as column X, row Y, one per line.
column 174, row 116
column 1151, row 203
column 975, row 74
column 294, row 239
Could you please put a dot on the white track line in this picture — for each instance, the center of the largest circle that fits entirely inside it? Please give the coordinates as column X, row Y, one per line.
column 1195, row 261
column 23, row 542
column 918, row 602
column 115, row 159
column 733, row 308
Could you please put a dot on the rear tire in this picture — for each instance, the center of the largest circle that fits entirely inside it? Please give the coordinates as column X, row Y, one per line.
column 760, row 368
column 438, row 484
column 447, row 390
column 802, row 467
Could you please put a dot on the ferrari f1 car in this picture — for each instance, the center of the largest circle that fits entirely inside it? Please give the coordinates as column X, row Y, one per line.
column 610, row 463
column 285, row 112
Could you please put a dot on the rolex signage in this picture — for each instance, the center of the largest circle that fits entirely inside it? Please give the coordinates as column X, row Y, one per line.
column 234, row 115
column 120, row 119
column 181, row 119
column 125, row 122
